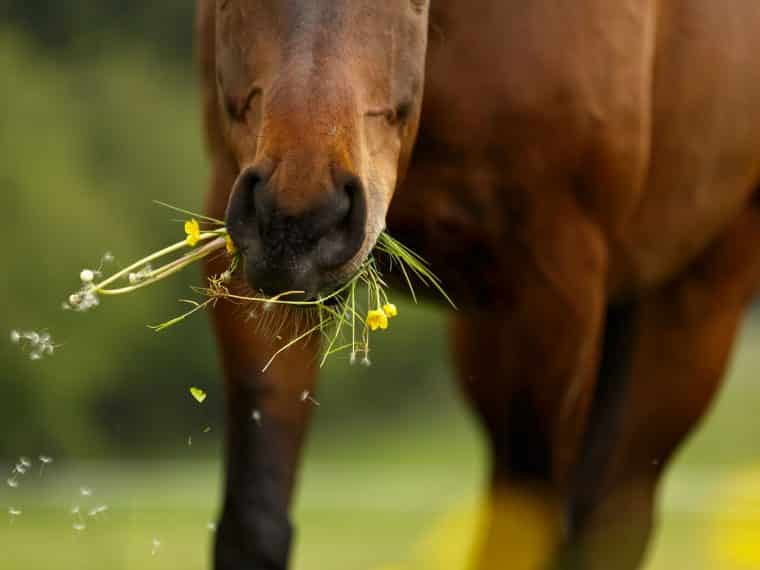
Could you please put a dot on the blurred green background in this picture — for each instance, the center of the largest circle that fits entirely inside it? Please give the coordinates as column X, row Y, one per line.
column 98, row 117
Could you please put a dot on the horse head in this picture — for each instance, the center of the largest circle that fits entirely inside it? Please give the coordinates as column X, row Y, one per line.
column 320, row 102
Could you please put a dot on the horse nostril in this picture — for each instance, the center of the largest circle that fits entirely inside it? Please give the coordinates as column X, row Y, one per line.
column 346, row 235
column 244, row 209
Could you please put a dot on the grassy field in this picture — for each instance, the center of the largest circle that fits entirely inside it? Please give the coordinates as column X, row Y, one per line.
column 397, row 498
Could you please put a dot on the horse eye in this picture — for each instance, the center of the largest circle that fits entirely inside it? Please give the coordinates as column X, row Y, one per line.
column 402, row 112
column 236, row 110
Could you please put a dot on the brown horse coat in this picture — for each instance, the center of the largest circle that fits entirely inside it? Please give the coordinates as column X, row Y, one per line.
column 583, row 181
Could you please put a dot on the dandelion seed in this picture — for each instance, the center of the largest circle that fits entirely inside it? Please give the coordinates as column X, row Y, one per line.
column 85, row 491
column 366, row 361
column 25, row 462
column 107, row 258
column 15, row 337
column 156, row 544
column 256, row 416
column 87, row 275
column 35, row 355
column 306, row 395
column 20, row 469
column 75, row 299
column 352, row 358
column 75, row 510
column 79, row 526
column 199, row 394
column 14, row 512
column 32, row 337
column 44, row 460
column 12, row 483
column 65, row 306
column 97, row 510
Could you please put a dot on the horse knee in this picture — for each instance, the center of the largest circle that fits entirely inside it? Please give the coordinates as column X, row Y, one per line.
column 252, row 540
column 615, row 531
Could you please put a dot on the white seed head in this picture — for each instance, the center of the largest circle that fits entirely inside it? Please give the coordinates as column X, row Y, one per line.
column 352, row 358
column 25, row 461
column 12, row 483
column 75, row 299
column 75, row 510
column 14, row 512
column 366, row 361
column 45, row 459
column 107, row 257
column 256, row 416
column 79, row 526
column 15, row 337
column 85, row 491
column 32, row 337
column 94, row 512
column 35, row 355
column 87, row 275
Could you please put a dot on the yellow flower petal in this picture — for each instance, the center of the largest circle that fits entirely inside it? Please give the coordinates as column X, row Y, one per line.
column 193, row 231
column 390, row 310
column 230, row 245
column 376, row 319
column 198, row 394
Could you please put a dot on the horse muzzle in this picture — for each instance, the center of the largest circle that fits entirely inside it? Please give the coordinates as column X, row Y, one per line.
column 297, row 239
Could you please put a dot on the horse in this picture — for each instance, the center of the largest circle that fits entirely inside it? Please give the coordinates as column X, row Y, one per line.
column 583, row 176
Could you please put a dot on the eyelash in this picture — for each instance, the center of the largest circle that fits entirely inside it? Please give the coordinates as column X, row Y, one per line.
column 395, row 116
column 238, row 113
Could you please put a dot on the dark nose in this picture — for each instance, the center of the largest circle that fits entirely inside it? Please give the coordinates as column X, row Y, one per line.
column 301, row 250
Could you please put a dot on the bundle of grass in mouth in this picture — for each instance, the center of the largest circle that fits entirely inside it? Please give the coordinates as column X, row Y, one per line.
column 344, row 318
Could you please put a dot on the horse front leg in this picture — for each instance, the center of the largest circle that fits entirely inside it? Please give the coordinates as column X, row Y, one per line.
column 680, row 339
column 529, row 370
column 266, row 423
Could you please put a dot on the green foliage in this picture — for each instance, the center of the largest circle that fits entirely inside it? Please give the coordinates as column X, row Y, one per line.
column 79, row 28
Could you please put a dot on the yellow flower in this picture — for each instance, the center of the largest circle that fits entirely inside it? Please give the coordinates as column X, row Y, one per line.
column 198, row 394
column 193, row 231
column 230, row 245
column 390, row 310
column 376, row 319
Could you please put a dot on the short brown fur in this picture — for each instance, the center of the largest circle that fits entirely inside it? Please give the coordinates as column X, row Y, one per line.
column 583, row 171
